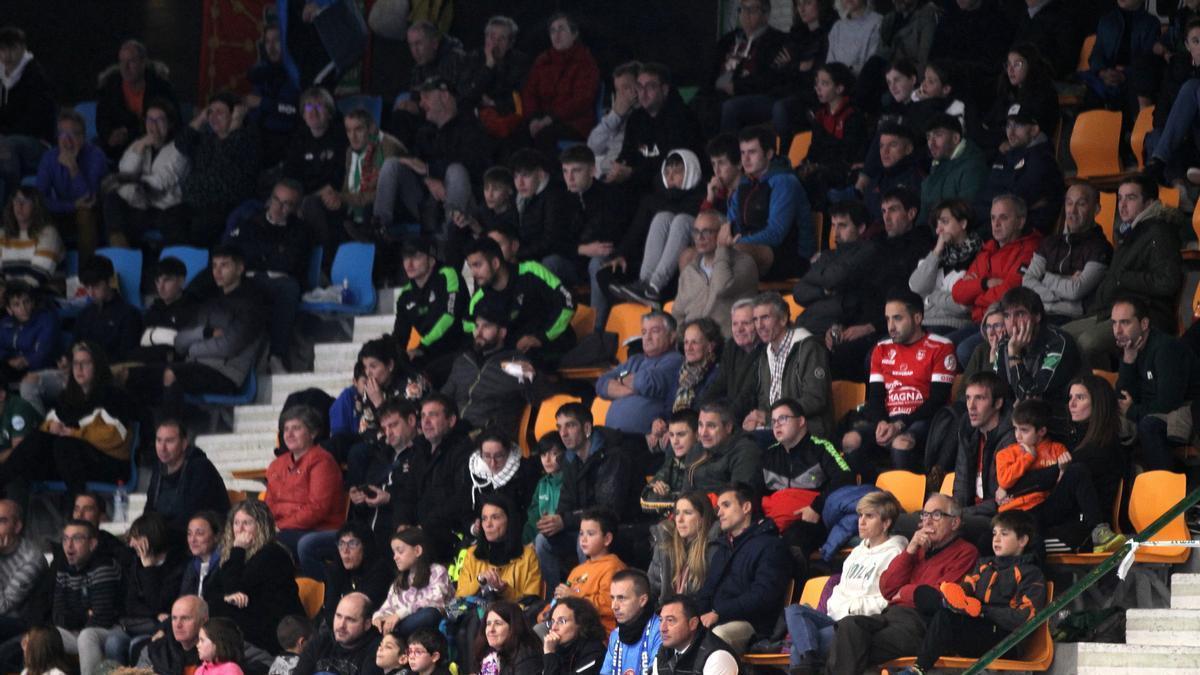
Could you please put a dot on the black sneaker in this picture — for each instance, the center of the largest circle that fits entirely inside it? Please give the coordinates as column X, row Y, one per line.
column 646, row 295
column 622, row 291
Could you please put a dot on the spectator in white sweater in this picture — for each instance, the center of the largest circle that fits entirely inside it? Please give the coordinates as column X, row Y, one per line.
column 935, row 276
column 30, row 246
column 857, row 592
column 418, row 597
column 146, row 193
column 21, row 564
column 855, row 37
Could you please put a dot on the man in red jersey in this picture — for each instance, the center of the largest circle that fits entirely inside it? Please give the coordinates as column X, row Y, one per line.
column 912, row 373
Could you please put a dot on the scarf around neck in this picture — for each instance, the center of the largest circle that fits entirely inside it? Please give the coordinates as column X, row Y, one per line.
column 482, row 477
column 958, row 257
column 630, row 633
column 690, row 378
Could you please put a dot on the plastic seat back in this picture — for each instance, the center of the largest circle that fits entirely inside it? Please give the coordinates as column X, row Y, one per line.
column 194, row 259
column 625, row 319
column 813, row 588
column 1137, row 138
column 584, row 321
column 600, row 408
column 847, row 396
column 88, row 110
column 127, row 263
column 906, row 486
column 1154, row 493
column 353, row 263
column 312, row 595
column 798, row 150
column 1107, row 215
column 1094, row 143
column 1085, row 53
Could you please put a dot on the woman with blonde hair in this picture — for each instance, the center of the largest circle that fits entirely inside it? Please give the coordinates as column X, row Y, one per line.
column 682, row 555
column 256, row 583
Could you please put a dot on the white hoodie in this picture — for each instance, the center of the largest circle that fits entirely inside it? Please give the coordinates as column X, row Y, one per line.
column 858, row 592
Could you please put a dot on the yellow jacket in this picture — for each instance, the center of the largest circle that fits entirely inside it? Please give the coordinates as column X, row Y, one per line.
column 591, row 580
column 523, row 575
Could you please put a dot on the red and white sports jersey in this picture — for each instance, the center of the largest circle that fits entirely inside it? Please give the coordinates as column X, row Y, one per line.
column 907, row 371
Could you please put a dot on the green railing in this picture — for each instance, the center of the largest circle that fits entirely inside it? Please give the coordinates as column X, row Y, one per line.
column 1080, row 586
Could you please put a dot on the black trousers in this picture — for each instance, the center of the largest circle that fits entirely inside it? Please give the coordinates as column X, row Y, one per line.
column 44, row 456
column 949, row 632
column 862, row 641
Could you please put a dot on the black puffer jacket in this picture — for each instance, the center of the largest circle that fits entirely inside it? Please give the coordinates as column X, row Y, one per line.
column 609, row 477
column 1146, row 262
column 967, row 468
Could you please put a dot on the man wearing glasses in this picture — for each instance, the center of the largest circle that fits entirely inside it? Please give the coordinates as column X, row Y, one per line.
column 716, row 278
column 85, row 601
column 349, row 648
column 69, row 177
column 936, row 553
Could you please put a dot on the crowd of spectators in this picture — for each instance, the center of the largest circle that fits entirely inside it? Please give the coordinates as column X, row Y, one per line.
column 929, row 245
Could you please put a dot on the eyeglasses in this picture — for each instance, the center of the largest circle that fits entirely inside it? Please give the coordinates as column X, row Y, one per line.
column 782, row 419
column 284, row 203
column 75, row 538
column 417, row 651
column 698, row 233
column 560, row 621
column 349, row 545
column 935, row 516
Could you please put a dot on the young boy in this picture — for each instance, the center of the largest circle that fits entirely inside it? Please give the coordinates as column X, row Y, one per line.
column 293, row 633
column 591, row 580
column 971, row 616
column 672, row 479
column 553, row 455
column 427, row 652
column 1036, row 474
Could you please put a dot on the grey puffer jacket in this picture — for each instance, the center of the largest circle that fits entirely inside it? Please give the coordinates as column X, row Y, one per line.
column 932, row 283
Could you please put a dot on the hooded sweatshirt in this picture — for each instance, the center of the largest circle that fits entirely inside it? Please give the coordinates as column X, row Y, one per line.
column 26, row 102
column 858, row 592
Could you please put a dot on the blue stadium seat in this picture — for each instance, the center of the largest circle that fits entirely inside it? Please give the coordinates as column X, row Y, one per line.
column 245, row 396
column 128, row 264
column 354, row 262
column 194, row 259
column 373, row 104
column 88, row 110
column 97, row 486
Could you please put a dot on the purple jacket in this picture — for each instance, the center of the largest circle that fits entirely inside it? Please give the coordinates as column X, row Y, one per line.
column 57, row 186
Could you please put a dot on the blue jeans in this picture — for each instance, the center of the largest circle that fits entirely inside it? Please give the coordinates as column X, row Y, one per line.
column 551, row 551
column 313, row 549
column 1181, row 121
column 426, row 617
column 811, row 631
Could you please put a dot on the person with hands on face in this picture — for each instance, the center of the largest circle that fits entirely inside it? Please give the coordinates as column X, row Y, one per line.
column 224, row 166
column 1157, row 384
column 146, row 193
column 69, row 178
column 151, row 583
column 1038, row 359
column 575, row 641
column 124, row 92
column 607, row 137
column 935, row 554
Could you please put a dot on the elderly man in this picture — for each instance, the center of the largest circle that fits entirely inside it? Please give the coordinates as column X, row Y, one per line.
column 21, row 565
column 719, row 275
column 687, row 646
column 793, row 364
column 349, row 649
column 1067, row 268
column 124, row 91
column 744, row 589
column 496, row 72
column 641, row 388
column 174, row 653
column 736, row 378
column 935, row 554
column 1146, row 262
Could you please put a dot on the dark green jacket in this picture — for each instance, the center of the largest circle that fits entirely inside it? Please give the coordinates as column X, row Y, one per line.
column 1146, row 262
column 959, row 177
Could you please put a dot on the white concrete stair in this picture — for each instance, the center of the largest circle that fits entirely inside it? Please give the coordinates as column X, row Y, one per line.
column 336, row 357
column 1177, row 627
column 1185, row 591
column 1097, row 658
column 276, row 388
column 371, row 327
column 249, row 418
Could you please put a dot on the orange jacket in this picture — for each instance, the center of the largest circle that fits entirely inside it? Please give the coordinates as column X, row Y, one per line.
column 306, row 495
column 1012, row 463
column 590, row 580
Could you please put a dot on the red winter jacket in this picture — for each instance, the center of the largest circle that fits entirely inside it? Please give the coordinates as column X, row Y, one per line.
column 1005, row 263
column 306, row 495
column 907, row 571
column 563, row 85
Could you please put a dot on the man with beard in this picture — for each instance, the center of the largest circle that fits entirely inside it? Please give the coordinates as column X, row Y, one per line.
column 490, row 382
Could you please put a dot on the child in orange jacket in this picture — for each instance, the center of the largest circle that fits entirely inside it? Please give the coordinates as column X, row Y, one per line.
column 1036, row 474
column 591, row 580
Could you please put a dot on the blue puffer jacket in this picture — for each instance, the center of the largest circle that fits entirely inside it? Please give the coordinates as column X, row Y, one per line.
column 840, row 515
column 36, row 339
column 777, row 216
column 747, row 578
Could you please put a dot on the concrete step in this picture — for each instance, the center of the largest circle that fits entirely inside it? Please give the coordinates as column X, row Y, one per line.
column 371, row 327
column 1168, row 627
column 1097, row 658
column 336, row 357
column 1185, row 591
column 278, row 387
column 256, row 418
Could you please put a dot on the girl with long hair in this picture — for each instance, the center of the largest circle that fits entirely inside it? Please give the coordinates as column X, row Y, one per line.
column 256, row 583
column 1026, row 81
column 30, row 245
column 419, row 595
column 87, row 436
column 219, row 648
column 681, row 559
column 1094, row 435
column 498, row 563
column 44, row 652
